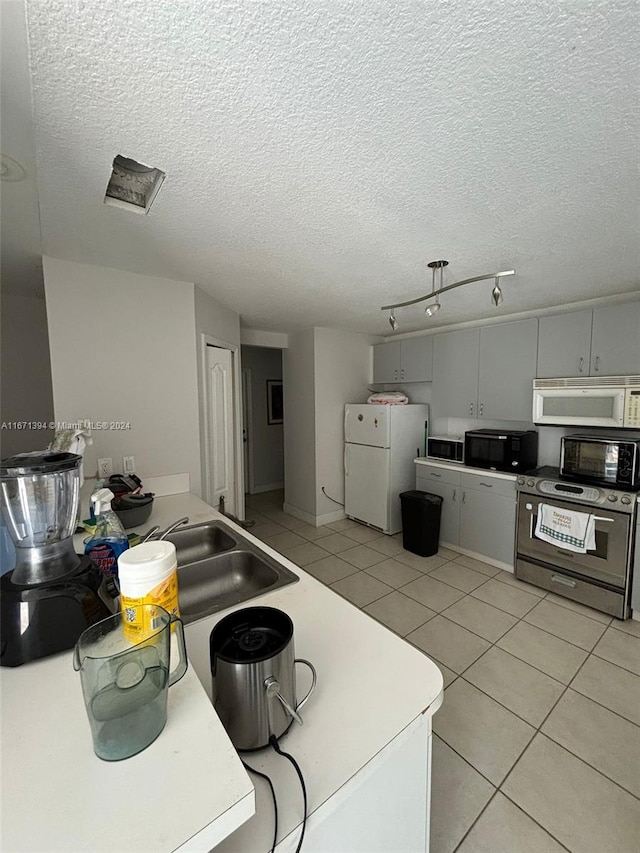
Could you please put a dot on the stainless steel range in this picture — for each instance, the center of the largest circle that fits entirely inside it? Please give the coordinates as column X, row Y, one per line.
column 601, row 578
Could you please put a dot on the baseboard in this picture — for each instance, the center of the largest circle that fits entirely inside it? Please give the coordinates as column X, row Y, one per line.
column 296, row 512
column 267, row 487
column 482, row 557
column 315, row 520
column 330, row 517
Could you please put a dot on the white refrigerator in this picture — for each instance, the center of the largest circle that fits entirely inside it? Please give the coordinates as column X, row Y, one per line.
column 381, row 443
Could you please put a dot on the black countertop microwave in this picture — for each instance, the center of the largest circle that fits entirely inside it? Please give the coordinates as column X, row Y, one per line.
column 501, row 450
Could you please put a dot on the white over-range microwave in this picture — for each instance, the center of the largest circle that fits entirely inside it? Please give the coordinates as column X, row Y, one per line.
column 602, row 401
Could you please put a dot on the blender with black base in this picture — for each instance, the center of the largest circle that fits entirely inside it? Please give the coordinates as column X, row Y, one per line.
column 52, row 594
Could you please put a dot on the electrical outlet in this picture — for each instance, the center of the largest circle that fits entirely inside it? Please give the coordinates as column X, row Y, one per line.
column 105, row 467
column 128, row 465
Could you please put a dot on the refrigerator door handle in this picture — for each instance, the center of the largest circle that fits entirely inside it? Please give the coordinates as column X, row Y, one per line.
column 346, row 472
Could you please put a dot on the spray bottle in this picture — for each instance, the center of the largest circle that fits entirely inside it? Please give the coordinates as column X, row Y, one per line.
column 109, row 539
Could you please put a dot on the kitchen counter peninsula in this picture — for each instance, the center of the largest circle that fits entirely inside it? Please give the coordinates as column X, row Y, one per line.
column 364, row 748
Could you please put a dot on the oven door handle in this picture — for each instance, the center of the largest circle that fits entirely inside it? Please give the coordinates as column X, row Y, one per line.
column 602, row 518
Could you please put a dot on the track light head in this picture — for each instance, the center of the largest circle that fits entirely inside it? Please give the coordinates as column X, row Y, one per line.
column 432, row 309
column 496, row 294
column 392, row 321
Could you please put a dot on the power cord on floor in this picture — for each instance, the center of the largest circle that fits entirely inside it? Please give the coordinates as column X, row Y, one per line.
column 324, row 492
column 274, row 743
column 273, row 797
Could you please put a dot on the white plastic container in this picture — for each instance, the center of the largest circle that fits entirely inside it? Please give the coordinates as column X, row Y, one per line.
column 147, row 575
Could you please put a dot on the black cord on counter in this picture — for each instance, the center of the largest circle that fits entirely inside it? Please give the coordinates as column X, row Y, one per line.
column 330, row 498
column 273, row 796
column 274, row 743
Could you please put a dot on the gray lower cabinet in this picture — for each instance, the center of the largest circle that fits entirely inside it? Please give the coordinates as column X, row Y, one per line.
column 446, row 483
column 478, row 510
column 488, row 516
column 409, row 360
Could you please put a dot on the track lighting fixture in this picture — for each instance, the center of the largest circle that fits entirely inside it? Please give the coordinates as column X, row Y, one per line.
column 433, row 298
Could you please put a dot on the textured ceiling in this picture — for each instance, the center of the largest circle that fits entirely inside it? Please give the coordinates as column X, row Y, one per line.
column 319, row 154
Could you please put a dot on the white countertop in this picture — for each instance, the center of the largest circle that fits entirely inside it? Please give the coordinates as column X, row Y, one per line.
column 464, row 469
column 371, row 685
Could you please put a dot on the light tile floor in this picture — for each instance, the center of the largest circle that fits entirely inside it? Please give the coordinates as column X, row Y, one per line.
column 537, row 743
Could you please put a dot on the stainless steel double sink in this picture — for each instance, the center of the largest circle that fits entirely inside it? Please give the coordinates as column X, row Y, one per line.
column 218, row 567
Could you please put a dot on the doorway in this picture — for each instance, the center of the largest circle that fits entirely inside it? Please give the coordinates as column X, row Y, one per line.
column 263, row 418
column 222, row 418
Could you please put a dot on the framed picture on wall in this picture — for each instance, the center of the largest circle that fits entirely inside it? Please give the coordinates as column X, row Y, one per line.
column 275, row 402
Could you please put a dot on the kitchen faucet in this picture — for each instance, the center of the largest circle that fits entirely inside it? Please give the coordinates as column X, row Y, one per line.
column 153, row 533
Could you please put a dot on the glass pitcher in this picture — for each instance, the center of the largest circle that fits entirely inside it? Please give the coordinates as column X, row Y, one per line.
column 124, row 683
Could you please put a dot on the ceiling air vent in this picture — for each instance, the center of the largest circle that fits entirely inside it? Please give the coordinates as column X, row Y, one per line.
column 132, row 185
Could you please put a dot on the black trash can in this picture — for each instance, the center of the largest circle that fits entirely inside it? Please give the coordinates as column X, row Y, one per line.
column 420, row 522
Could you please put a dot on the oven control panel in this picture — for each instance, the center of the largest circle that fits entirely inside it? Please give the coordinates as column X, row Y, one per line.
column 584, row 493
column 588, row 495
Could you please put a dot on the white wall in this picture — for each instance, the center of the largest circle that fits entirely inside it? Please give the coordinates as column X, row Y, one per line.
column 323, row 370
column 300, row 425
column 343, row 364
column 123, row 349
column 267, row 447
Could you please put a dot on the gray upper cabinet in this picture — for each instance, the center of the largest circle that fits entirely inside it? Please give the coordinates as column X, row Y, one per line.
column 416, row 359
column 454, row 392
column 386, row 362
column 615, row 340
column 409, row 360
column 604, row 341
column 508, row 355
column 486, row 373
column 564, row 344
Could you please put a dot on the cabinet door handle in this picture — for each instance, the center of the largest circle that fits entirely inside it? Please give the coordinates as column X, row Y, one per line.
column 486, row 485
column 464, row 497
column 471, row 408
column 431, row 474
column 581, row 365
column 596, row 365
column 481, row 409
column 395, row 374
column 402, row 374
column 453, row 497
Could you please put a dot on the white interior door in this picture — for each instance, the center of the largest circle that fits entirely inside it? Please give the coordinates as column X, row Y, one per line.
column 221, row 476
